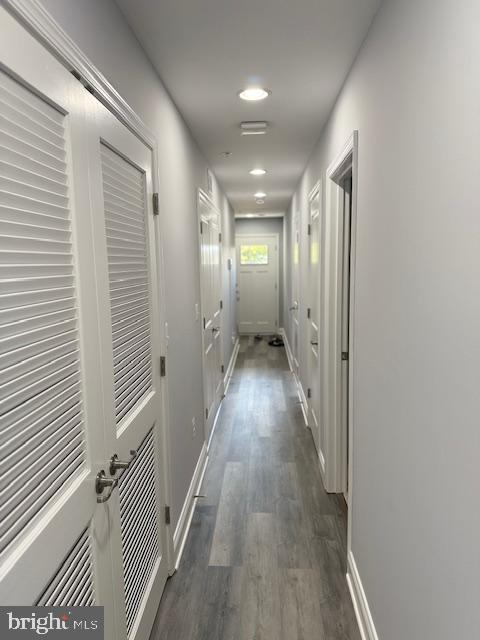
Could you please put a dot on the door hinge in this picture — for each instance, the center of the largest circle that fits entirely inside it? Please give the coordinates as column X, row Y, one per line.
column 309, row 393
column 221, row 304
column 167, row 514
column 204, row 323
column 219, row 237
column 309, row 311
column 309, row 230
column 344, row 355
column 201, row 228
column 163, row 366
column 155, row 204
column 206, row 414
column 222, row 368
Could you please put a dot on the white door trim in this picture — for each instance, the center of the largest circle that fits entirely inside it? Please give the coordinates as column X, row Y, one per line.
column 277, row 265
column 336, row 449
column 45, row 29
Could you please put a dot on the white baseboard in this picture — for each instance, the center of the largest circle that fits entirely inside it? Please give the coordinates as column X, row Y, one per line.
column 214, row 425
column 226, row 383
column 301, row 394
column 185, row 519
column 360, row 603
column 231, row 365
column 303, row 400
column 288, row 351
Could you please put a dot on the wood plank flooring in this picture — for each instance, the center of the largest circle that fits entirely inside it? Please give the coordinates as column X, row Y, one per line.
column 265, row 558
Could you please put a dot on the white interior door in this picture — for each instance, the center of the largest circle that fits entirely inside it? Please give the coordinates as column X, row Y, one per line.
column 51, row 423
column 296, row 292
column 125, row 253
column 313, row 318
column 211, row 286
column 257, row 269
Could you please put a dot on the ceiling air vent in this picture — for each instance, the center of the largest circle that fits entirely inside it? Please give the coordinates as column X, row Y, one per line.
column 253, row 128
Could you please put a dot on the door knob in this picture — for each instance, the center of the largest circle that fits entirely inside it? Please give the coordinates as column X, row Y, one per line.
column 116, row 464
column 102, row 483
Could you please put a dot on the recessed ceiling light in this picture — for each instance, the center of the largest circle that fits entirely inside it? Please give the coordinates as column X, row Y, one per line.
column 250, row 215
column 260, row 194
column 253, row 94
column 258, row 172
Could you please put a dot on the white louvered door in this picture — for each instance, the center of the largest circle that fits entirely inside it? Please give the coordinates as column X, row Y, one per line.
column 121, row 174
column 51, row 408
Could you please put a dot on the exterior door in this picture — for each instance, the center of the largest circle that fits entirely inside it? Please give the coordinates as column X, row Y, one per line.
column 211, row 286
column 313, row 317
column 257, row 268
column 51, row 404
column 125, row 253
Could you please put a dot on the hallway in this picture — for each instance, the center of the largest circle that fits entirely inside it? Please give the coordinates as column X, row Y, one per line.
column 179, row 181
column 266, row 554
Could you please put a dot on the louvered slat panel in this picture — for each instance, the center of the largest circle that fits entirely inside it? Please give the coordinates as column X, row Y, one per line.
column 41, row 418
column 138, row 509
column 72, row 585
column 125, row 226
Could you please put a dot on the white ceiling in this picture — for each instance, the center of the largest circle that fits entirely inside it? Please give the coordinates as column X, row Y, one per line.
column 207, row 50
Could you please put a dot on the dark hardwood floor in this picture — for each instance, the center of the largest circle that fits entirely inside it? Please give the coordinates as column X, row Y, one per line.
column 265, row 558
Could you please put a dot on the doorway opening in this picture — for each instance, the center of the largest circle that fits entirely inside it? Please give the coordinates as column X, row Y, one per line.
column 341, row 216
column 346, row 222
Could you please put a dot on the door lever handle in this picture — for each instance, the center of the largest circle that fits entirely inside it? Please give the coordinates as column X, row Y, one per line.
column 116, row 464
column 215, row 329
column 312, row 342
column 101, row 483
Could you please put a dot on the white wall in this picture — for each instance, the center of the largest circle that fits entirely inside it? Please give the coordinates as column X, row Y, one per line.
column 102, row 33
column 414, row 96
column 262, row 226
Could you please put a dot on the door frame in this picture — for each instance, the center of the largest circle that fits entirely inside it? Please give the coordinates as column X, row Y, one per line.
column 202, row 195
column 49, row 33
column 336, row 439
column 277, row 267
